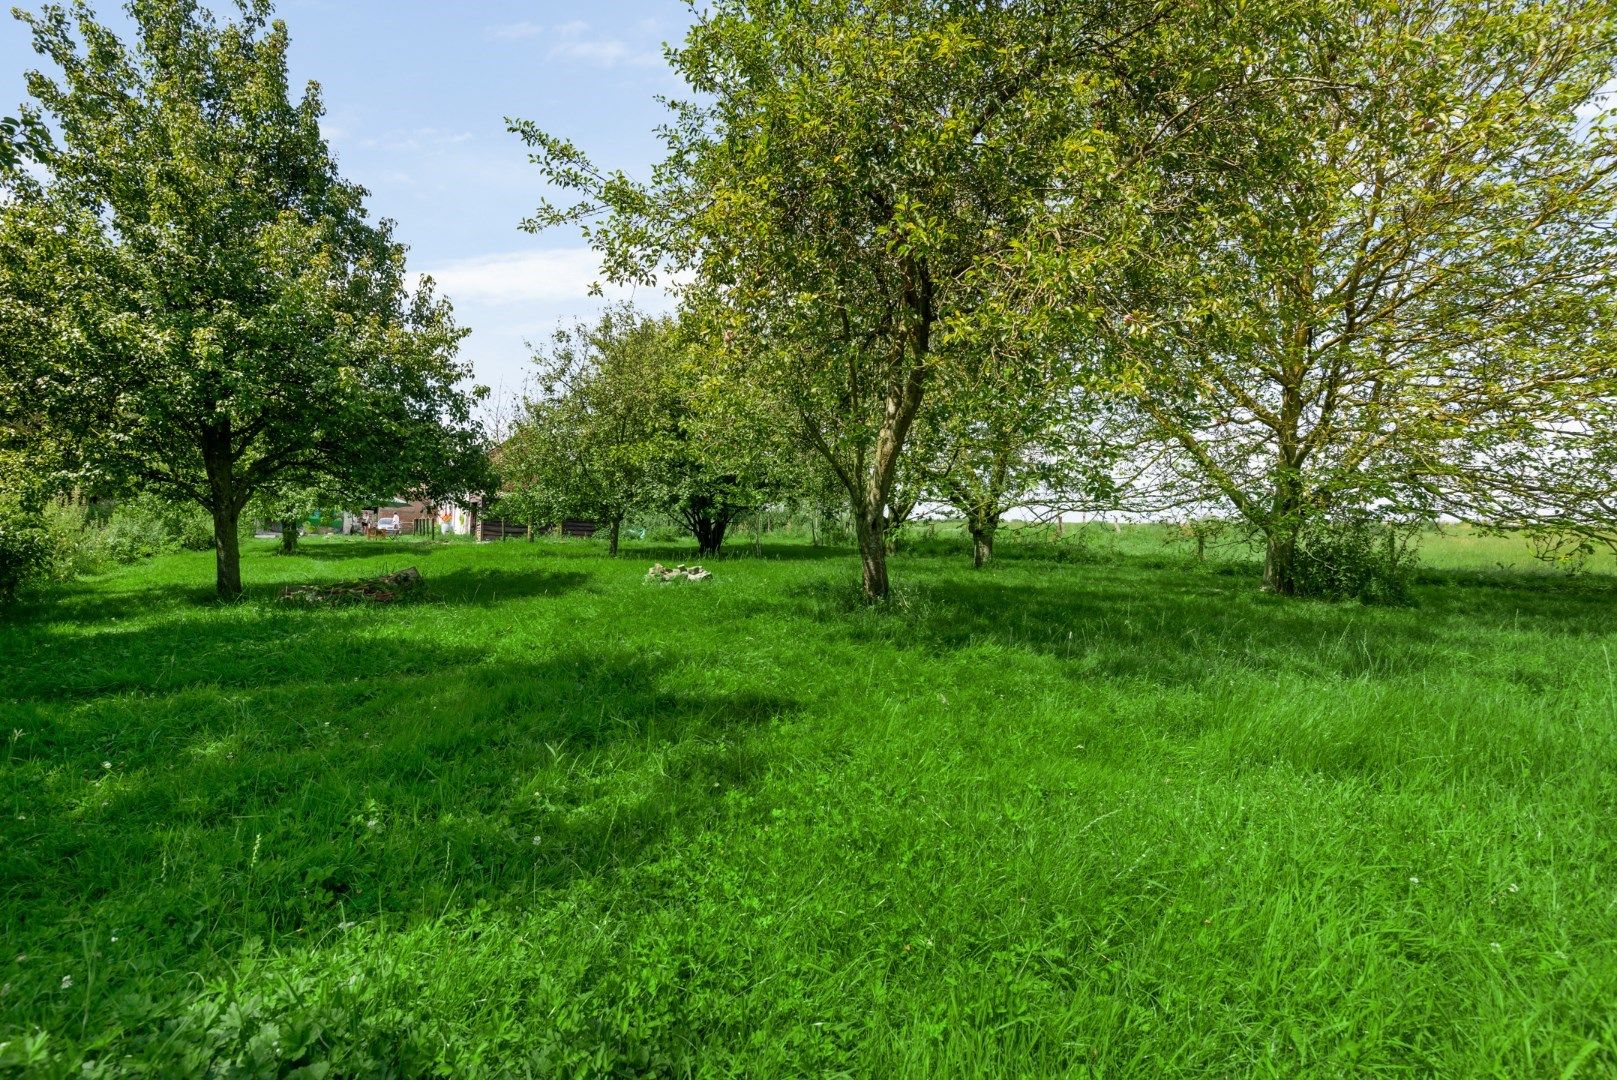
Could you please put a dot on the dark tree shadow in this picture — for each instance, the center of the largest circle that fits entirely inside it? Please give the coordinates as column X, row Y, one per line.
column 79, row 603
column 92, row 606
column 487, row 587
column 780, row 552
column 287, row 645
column 359, row 550
column 446, row 783
column 1114, row 620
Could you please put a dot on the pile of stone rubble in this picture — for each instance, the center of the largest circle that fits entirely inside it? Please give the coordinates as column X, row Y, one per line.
column 659, row 572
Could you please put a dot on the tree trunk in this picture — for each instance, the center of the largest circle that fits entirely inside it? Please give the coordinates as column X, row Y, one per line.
column 870, row 486
column 612, row 537
column 709, row 533
column 1280, row 561
column 290, row 529
column 873, row 553
column 1285, row 522
column 1283, row 527
column 982, row 544
column 227, row 551
column 224, row 502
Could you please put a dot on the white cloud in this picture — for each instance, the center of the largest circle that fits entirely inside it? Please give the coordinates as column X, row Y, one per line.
column 512, row 300
column 607, row 53
column 522, row 277
column 414, row 140
column 515, row 31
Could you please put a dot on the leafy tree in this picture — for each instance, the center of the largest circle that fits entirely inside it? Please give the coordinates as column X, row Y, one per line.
column 1016, row 429
column 722, row 451
column 807, row 491
column 290, row 506
column 852, row 190
column 1403, row 301
column 586, row 442
column 41, row 259
column 24, row 548
column 226, row 317
column 630, row 417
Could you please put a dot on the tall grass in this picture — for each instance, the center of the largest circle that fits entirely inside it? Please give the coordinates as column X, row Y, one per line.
column 1105, row 813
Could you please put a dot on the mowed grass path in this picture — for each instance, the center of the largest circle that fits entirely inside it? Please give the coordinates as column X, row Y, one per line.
column 1116, row 817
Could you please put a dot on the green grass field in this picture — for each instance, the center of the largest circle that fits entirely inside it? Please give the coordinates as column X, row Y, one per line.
column 1102, row 814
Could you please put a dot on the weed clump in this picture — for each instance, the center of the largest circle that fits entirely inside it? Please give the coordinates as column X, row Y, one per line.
column 1356, row 557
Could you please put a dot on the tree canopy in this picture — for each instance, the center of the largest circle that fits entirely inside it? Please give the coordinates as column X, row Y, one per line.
column 627, row 417
column 1406, row 304
column 210, row 307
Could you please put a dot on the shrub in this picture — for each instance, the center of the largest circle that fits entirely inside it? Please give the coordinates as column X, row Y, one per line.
column 65, row 538
column 662, row 531
column 24, row 552
column 192, row 529
column 74, row 538
column 1355, row 556
column 131, row 536
column 143, row 526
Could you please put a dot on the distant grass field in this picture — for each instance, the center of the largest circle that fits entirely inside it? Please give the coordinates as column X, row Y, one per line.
column 1096, row 811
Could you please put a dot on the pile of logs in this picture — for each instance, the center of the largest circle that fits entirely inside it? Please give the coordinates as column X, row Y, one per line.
column 659, row 572
column 377, row 590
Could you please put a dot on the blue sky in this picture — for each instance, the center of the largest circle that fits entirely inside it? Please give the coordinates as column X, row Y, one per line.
column 416, row 94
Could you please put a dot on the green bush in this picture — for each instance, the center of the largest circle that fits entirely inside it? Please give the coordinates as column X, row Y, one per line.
column 143, row 526
column 24, row 552
column 65, row 538
column 132, row 536
column 192, row 529
column 1355, row 556
column 665, row 533
column 75, row 539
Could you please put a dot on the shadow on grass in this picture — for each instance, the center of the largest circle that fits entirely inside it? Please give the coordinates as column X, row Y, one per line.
column 90, row 606
column 1126, row 619
column 397, row 793
column 303, row 646
column 87, row 644
column 488, row 587
column 347, row 550
column 731, row 551
column 80, row 602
